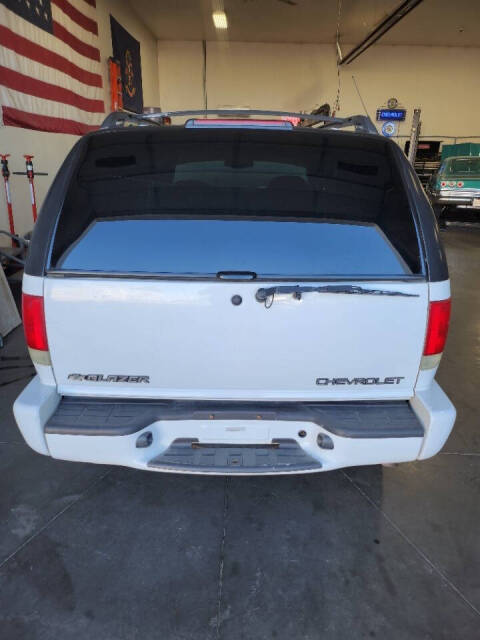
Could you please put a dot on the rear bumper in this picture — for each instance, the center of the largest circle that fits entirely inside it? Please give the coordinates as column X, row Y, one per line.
column 454, row 197
column 233, row 438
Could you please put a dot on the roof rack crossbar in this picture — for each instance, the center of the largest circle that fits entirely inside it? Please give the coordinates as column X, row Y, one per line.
column 120, row 118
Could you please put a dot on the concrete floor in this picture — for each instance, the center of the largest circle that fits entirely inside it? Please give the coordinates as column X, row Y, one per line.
column 116, row 554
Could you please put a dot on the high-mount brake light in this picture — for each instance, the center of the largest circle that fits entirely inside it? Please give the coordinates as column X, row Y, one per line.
column 437, row 329
column 34, row 322
column 248, row 123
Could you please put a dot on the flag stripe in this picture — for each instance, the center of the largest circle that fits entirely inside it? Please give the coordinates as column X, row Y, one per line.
column 46, row 40
column 72, row 27
column 81, row 47
column 17, row 118
column 82, row 20
column 24, row 84
column 25, row 102
column 86, row 9
column 33, row 69
column 40, row 54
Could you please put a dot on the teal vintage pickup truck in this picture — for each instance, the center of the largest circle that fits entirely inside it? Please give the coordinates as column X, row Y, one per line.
column 457, row 183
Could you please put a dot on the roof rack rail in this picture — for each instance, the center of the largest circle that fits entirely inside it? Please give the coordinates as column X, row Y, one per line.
column 122, row 118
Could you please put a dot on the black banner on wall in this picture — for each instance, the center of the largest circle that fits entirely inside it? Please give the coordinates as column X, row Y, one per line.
column 127, row 51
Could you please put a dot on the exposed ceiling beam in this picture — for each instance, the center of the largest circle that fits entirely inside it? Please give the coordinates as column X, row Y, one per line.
column 391, row 20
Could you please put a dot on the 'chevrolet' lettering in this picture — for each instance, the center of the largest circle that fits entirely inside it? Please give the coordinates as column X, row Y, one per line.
column 354, row 381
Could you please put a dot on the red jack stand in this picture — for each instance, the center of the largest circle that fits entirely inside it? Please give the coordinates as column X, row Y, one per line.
column 30, row 176
column 6, row 177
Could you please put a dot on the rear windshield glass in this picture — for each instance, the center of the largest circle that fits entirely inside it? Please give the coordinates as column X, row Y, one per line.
column 267, row 248
column 195, row 202
column 463, row 166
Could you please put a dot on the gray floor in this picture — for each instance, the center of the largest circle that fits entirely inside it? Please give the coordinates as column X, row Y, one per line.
column 117, row 554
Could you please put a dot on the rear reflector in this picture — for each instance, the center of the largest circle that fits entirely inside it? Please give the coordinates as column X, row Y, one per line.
column 34, row 322
column 437, row 330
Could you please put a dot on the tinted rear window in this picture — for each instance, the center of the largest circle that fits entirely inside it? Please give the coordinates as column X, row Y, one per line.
column 276, row 203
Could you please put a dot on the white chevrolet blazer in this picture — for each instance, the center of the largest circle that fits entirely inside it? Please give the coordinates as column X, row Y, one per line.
column 225, row 299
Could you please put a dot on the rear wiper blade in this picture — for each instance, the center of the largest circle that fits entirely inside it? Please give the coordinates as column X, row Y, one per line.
column 267, row 294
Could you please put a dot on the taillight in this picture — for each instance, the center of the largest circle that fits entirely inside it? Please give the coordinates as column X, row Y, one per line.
column 34, row 322
column 460, row 184
column 443, row 183
column 437, row 329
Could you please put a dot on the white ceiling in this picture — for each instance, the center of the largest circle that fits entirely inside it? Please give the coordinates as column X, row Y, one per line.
column 433, row 22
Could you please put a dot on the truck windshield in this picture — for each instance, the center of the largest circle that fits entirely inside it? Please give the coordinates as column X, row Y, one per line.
column 190, row 201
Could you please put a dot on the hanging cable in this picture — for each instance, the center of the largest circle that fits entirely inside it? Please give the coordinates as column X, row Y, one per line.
column 336, row 104
column 205, row 96
column 360, row 96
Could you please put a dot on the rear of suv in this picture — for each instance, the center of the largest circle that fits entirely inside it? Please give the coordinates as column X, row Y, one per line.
column 235, row 300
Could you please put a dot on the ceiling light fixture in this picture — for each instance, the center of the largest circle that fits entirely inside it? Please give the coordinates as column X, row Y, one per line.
column 220, row 20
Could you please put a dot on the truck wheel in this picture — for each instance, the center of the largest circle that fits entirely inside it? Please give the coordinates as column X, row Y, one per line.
column 440, row 214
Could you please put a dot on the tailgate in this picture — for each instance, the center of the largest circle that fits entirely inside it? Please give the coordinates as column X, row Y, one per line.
column 163, row 230
column 122, row 337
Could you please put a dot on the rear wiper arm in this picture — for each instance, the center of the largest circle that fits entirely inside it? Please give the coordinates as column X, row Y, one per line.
column 267, row 294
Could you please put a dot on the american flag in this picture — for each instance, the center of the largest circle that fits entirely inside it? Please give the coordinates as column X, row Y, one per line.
column 50, row 73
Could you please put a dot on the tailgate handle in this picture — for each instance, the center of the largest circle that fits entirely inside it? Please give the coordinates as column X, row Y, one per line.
column 237, row 275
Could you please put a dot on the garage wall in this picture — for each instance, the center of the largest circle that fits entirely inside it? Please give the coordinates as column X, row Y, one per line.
column 443, row 81
column 180, row 67
column 51, row 148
